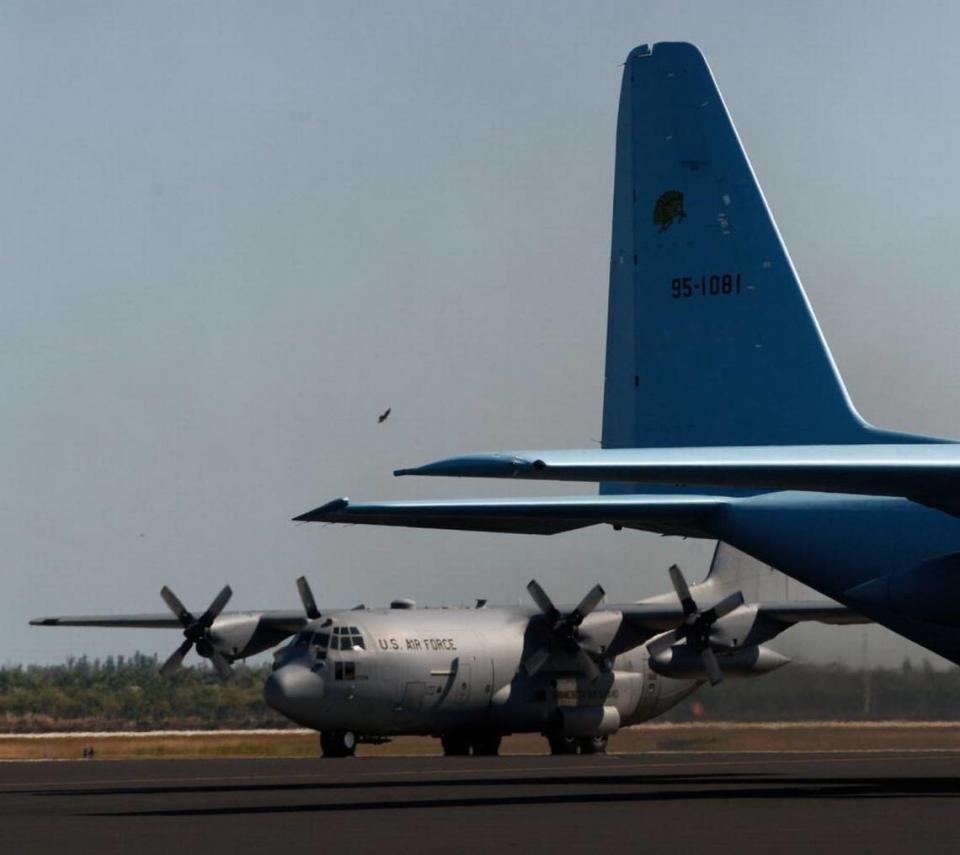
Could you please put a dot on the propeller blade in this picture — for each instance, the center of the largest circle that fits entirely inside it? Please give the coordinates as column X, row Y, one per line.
column 210, row 615
column 711, row 666
column 586, row 664
column 541, row 599
column 176, row 606
column 587, row 605
column 724, row 607
column 536, row 660
column 221, row 664
column 306, row 597
column 683, row 590
column 661, row 642
column 176, row 659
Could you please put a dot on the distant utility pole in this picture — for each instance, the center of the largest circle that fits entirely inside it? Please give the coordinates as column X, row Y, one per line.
column 867, row 688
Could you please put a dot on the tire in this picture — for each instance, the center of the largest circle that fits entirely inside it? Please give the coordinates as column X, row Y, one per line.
column 486, row 745
column 455, row 744
column 563, row 744
column 338, row 743
column 593, row 745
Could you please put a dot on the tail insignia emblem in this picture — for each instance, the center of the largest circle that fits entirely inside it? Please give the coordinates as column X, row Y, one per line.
column 669, row 207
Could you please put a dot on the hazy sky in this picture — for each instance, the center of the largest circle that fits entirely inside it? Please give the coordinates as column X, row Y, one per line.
column 231, row 234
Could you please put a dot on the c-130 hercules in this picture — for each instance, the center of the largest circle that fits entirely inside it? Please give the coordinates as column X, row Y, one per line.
column 471, row 676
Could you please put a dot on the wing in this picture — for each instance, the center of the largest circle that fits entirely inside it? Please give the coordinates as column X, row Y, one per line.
column 928, row 473
column 682, row 515
column 288, row 621
column 145, row 621
column 821, row 611
column 654, row 618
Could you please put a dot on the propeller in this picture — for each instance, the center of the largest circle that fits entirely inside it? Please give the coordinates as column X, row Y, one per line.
column 196, row 632
column 306, row 597
column 563, row 630
column 696, row 626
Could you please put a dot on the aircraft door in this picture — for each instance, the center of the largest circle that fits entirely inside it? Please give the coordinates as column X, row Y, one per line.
column 473, row 682
column 411, row 702
column 461, row 686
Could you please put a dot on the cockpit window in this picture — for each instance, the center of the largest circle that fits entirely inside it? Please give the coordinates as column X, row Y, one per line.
column 347, row 638
column 321, row 639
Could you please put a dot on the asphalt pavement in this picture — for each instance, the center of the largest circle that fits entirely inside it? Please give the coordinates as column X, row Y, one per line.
column 886, row 801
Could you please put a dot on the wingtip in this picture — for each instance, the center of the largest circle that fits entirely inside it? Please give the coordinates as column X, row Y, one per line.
column 44, row 621
column 324, row 511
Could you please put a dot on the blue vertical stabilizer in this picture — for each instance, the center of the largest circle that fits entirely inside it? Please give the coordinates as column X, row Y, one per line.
column 711, row 340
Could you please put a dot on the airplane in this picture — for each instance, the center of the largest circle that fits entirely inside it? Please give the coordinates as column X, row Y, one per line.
column 724, row 415
column 472, row 675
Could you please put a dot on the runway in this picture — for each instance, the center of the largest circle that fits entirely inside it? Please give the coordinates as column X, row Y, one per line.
column 886, row 801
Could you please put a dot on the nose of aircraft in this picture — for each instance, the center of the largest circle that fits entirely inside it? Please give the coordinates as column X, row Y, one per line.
column 295, row 691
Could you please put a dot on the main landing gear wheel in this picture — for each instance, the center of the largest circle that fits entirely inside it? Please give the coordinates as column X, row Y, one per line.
column 486, row 745
column 560, row 744
column 593, row 745
column 338, row 743
column 455, row 744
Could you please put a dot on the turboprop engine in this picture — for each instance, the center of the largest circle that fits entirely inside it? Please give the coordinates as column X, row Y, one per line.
column 685, row 663
column 713, row 643
column 225, row 639
column 694, row 637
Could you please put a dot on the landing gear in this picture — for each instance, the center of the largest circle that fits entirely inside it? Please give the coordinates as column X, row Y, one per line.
column 461, row 744
column 593, row 745
column 560, row 744
column 455, row 744
column 486, row 745
column 338, row 743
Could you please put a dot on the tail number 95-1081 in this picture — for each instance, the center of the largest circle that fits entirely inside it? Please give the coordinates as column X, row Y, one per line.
column 706, row 285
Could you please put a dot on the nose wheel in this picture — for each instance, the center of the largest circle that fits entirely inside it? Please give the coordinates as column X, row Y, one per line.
column 338, row 743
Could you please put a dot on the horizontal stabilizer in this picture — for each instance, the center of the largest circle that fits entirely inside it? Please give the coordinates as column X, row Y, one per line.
column 546, row 515
column 926, row 473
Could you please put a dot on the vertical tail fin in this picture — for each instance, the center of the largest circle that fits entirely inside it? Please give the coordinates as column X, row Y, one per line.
column 732, row 570
column 710, row 339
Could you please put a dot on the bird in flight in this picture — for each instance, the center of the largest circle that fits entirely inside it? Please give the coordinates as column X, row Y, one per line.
column 383, row 416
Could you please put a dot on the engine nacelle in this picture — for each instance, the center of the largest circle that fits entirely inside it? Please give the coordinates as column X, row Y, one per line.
column 588, row 721
column 683, row 663
column 237, row 636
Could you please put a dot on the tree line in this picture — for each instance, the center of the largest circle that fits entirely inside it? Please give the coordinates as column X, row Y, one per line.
column 127, row 693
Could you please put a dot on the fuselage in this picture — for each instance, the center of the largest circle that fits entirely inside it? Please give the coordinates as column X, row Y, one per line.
column 838, row 543
column 429, row 671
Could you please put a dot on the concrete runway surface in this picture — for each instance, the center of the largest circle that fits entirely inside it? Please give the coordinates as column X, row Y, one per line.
column 887, row 801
